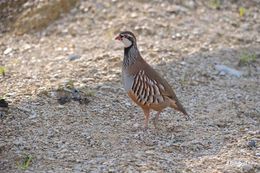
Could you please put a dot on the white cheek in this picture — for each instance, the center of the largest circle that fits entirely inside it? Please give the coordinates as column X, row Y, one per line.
column 126, row 42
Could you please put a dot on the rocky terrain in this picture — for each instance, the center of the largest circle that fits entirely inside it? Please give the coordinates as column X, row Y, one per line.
column 183, row 40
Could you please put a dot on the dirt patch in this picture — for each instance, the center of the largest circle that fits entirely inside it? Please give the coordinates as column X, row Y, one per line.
column 183, row 41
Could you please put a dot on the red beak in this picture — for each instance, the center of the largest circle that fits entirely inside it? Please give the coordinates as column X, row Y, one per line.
column 118, row 38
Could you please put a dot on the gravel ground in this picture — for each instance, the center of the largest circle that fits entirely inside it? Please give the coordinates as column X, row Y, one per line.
column 183, row 41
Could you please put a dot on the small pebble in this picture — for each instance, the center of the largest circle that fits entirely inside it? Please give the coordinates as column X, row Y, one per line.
column 7, row 51
column 251, row 144
column 73, row 57
column 183, row 63
column 227, row 70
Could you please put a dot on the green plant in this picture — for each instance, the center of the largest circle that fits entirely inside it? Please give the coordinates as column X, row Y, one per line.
column 242, row 11
column 88, row 92
column 69, row 84
column 215, row 4
column 2, row 71
column 184, row 79
column 25, row 162
column 247, row 59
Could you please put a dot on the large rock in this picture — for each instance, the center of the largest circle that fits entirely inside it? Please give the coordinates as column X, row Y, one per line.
column 26, row 15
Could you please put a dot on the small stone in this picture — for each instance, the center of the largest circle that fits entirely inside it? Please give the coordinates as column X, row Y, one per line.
column 136, row 125
column 251, row 144
column 227, row 70
column 60, row 106
column 173, row 37
column 7, row 51
column 33, row 115
column 26, row 47
column 133, row 15
column 151, row 152
column 73, row 57
column 190, row 4
column 183, row 63
column 128, row 104
column 178, row 35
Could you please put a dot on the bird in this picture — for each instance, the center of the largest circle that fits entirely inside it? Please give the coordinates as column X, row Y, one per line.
column 143, row 84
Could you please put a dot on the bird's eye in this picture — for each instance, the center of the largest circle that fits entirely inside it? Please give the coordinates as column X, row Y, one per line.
column 130, row 36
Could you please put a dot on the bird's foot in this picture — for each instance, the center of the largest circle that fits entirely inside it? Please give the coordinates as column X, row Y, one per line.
column 145, row 128
column 155, row 121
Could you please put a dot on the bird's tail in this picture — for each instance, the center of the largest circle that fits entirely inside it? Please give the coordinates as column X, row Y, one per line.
column 178, row 106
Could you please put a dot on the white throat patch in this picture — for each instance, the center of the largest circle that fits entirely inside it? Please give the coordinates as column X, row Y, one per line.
column 126, row 42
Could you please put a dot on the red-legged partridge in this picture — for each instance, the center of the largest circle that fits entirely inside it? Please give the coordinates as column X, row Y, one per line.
column 143, row 84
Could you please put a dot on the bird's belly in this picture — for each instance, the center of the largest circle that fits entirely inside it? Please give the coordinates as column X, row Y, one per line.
column 157, row 106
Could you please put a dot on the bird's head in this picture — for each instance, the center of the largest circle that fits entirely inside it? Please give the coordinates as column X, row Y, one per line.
column 127, row 38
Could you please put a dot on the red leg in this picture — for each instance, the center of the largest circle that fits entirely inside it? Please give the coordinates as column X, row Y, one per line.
column 146, row 117
column 155, row 120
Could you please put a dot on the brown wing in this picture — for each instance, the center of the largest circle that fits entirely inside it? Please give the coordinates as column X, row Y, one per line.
column 168, row 91
column 147, row 90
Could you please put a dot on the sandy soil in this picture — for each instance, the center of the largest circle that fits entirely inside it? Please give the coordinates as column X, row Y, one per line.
column 183, row 41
